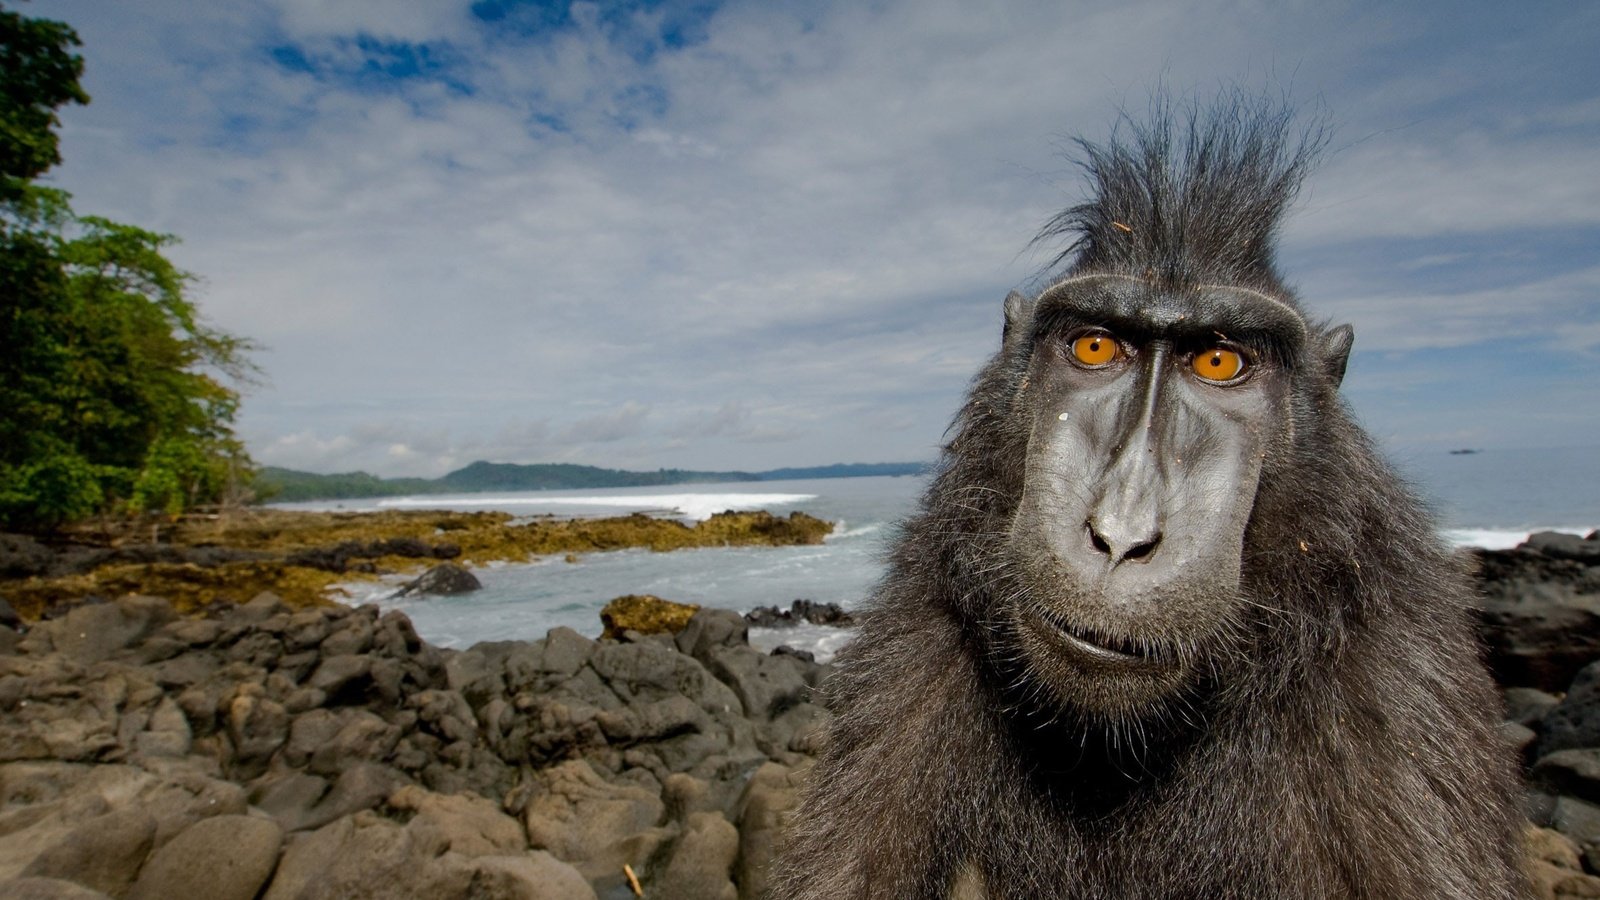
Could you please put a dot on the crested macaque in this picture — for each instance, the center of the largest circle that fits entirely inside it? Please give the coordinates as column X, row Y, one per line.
column 1165, row 625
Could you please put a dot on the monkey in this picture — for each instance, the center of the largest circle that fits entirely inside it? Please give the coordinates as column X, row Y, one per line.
column 1165, row 624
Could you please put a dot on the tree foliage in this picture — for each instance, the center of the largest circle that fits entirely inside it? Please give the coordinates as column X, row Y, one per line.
column 114, row 393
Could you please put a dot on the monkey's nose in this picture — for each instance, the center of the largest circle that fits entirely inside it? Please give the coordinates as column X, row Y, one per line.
column 1120, row 543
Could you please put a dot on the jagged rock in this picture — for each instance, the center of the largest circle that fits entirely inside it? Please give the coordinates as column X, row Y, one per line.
column 701, row 864
column 594, row 825
column 222, row 858
column 104, row 853
column 366, row 856
column 471, row 826
column 711, row 628
column 1528, row 706
column 800, row 611
column 260, row 608
column 300, row 801
column 362, row 736
column 765, row 811
column 258, row 727
column 1555, row 868
column 646, row 614
column 1575, row 721
column 90, row 634
column 765, row 685
column 443, row 579
column 565, row 651
column 1573, row 772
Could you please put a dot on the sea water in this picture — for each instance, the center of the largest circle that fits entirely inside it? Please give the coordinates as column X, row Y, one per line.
column 1493, row 498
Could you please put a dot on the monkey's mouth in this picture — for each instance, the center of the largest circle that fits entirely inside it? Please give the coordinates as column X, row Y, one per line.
column 1097, row 647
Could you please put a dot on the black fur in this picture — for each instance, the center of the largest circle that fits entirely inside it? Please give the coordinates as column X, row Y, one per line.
column 1341, row 741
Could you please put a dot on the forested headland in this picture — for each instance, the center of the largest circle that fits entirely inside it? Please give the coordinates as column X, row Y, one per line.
column 116, row 397
column 289, row 485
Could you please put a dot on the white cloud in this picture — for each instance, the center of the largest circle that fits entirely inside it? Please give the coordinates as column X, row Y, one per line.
column 794, row 231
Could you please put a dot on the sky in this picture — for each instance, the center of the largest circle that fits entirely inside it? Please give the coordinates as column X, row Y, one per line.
column 745, row 235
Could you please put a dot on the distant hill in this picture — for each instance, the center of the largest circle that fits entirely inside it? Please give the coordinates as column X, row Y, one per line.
column 279, row 485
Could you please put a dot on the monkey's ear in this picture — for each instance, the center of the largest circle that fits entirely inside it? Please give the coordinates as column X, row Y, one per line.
column 1336, row 352
column 1018, row 310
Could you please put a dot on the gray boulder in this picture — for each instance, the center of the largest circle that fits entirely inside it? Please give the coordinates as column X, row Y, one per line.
column 443, row 579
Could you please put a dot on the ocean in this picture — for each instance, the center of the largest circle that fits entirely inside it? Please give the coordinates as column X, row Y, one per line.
column 1492, row 498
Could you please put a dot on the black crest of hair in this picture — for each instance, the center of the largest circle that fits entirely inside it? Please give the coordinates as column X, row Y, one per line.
column 1189, row 193
column 1320, row 725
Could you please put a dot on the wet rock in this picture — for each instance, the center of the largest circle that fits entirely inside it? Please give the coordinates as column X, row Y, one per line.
column 443, row 579
column 223, row 858
column 645, row 614
column 800, row 611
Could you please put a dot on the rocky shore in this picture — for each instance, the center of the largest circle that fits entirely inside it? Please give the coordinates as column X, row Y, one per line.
column 300, row 556
column 327, row 752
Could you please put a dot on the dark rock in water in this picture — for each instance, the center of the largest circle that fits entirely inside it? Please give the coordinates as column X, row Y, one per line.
column 646, row 614
column 799, row 611
column 1560, row 545
column 786, row 650
column 442, row 579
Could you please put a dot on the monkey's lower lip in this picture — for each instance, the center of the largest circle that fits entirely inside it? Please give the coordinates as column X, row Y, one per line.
column 1098, row 648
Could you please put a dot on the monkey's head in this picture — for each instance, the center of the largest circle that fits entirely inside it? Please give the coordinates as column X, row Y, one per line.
column 1152, row 392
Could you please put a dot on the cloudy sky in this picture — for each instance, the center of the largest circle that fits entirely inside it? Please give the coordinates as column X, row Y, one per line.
column 759, row 234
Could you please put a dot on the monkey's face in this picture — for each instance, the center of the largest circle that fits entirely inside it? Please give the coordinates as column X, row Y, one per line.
column 1151, row 414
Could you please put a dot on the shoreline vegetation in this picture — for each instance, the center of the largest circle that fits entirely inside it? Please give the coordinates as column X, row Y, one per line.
column 279, row 485
column 299, row 556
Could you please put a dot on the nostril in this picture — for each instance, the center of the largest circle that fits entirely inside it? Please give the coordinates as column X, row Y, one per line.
column 1098, row 541
column 1143, row 550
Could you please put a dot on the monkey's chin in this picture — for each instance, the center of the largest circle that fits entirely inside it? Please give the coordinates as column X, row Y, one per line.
column 1099, row 673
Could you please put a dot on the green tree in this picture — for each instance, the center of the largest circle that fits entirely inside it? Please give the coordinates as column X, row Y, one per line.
column 113, row 391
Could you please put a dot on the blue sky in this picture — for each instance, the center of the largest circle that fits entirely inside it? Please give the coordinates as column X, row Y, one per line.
column 749, row 235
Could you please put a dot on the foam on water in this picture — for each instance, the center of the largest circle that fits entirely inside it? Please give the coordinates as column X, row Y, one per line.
column 1498, row 538
column 689, row 506
column 822, row 640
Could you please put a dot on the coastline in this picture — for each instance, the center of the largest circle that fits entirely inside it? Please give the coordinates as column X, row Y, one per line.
column 328, row 749
column 301, row 556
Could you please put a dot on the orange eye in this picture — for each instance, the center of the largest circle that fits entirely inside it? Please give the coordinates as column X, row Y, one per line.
column 1219, row 364
column 1095, row 349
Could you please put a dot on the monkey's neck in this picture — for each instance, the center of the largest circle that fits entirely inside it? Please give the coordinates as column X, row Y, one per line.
column 1093, row 769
